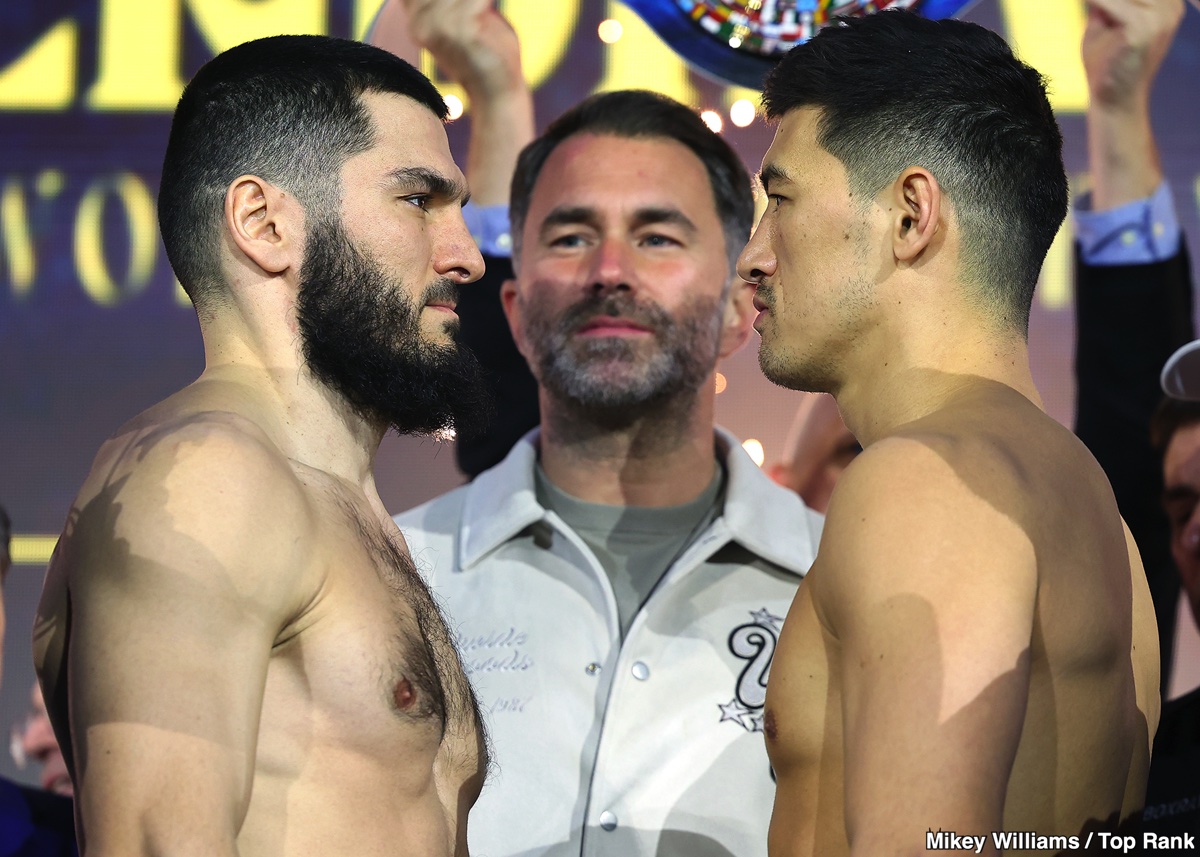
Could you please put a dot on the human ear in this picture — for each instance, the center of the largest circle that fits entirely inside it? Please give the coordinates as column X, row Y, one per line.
column 262, row 224
column 510, row 302
column 739, row 317
column 916, row 213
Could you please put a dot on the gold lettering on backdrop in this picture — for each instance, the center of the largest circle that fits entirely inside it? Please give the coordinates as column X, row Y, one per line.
column 43, row 78
column 17, row 243
column 139, row 47
column 225, row 23
column 138, row 57
column 91, row 261
column 141, row 43
column 545, row 30
column 641, row 60
column 1047, row 35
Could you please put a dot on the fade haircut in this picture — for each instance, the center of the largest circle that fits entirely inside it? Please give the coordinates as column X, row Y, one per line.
column 285, row 108
column 641, row 114
column 896, row 90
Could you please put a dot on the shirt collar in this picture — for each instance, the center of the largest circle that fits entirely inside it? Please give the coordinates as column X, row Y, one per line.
column 501, row 502
column 763, row 516
column 767, row 519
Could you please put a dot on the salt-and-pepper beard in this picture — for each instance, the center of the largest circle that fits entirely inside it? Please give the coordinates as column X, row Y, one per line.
column 610, row 381
column 361, row 335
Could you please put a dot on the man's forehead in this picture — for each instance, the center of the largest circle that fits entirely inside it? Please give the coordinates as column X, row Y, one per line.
column 630, row 173
column 795, row 140
column 402, row 125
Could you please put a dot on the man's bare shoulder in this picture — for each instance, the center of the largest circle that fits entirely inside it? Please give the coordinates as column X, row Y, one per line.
column 201, row 489
column 999, row 449
column 918, row 512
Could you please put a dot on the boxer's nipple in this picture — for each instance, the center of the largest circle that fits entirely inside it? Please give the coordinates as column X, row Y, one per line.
column 405, row 694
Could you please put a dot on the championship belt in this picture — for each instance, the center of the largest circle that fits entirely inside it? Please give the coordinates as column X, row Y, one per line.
column 739, row 42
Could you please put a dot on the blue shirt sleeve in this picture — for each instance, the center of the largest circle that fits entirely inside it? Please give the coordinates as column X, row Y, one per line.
column 491, row 229
column 1137, row 233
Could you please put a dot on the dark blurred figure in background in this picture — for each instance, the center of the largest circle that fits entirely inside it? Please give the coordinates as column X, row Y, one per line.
column 34, row 741
column 1133, row 299
column 33, row 823
column 1173, row 791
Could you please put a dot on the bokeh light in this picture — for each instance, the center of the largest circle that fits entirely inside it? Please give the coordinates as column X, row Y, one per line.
column 610, row 31
column 754, row 449
column 713, row 120
column 741, row 112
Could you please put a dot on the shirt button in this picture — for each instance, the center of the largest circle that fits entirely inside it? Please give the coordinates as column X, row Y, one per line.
column 608, row 821
column 640, row 671
column 592, row 669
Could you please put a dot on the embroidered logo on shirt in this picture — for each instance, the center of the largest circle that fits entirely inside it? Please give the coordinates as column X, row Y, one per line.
column 753, row 642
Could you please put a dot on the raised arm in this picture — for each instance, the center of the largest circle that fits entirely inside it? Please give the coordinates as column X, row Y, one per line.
column 1123, row 46
column 477, row 48
column 180, row 573
column 1133, row 291
column 931, row 601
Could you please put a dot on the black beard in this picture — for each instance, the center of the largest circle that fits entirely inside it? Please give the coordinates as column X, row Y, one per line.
column 361, row 337
column 609, row 380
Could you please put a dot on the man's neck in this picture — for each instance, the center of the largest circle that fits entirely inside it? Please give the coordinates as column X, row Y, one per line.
column 897, row 392
column 309, row 423
column 662, row 458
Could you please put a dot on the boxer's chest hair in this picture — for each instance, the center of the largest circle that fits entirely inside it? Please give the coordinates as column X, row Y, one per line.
column 427, row 681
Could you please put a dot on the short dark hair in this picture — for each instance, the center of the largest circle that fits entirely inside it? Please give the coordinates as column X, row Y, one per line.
column 640, row 114
column 285, row 108
column 896, row 90
column 1171, row 415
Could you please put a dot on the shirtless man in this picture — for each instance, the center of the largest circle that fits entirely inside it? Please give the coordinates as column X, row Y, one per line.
column 237, row 653
column 974, row 649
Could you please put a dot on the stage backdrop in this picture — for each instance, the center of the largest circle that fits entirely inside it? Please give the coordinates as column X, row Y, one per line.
column 94, row 328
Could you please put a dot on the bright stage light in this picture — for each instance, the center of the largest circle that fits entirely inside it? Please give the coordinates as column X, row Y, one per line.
column 741, row 112
column 610, row 31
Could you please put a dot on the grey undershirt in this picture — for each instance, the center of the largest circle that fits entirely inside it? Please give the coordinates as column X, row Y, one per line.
column 635, row 544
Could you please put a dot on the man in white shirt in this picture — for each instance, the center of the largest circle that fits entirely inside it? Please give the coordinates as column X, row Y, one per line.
column 618, row 582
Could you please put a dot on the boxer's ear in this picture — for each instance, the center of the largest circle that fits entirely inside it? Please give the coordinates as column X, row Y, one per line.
column 265, row 224
column 915, row 215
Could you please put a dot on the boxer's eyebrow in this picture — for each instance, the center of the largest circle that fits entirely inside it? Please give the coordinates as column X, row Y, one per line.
column 431, row 181
column 773, row 173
